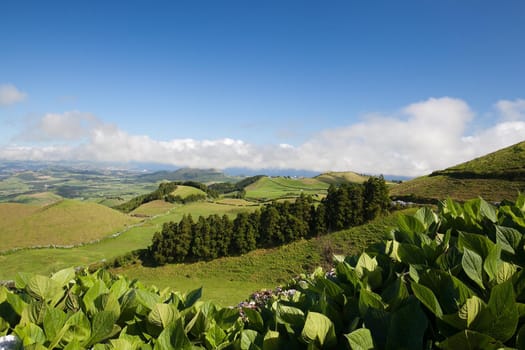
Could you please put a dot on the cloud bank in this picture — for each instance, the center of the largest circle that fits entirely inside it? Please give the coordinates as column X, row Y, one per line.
column 419, row 138
column 9, row 95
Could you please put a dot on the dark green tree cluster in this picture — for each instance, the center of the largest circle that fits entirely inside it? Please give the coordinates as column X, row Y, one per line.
column 274, row 224
column 163, row 192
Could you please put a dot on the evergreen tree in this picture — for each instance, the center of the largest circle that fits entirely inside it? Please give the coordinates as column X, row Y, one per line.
column 376, row 200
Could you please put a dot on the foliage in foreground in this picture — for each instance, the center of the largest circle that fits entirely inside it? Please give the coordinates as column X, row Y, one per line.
column 451, row 280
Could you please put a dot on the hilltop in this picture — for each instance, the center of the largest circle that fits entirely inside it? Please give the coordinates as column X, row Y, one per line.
column 496, row 176
column 67, row 222
column 338, row 177
column 188, row 174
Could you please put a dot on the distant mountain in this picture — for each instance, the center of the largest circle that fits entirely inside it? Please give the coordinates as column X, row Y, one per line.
column 495, row 176
column 188, row 174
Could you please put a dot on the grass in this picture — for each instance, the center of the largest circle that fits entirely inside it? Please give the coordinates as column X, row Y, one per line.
column 231, row 280
column 497, row 176
column 41, row 198
column 157, row 207
column 67, row 222
column 48, row 260
column 341, row 177
column 186, row 191
column 268, row 188
column 440, row 186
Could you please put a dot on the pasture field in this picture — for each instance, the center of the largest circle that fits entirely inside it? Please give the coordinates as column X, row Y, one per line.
column 271, row 188
column 438, row 187
column 67, row 222
column 41, row 198
column 186, row 191
column 47, row 260
column 232, row 279
column 338, row 177
column 153, row 208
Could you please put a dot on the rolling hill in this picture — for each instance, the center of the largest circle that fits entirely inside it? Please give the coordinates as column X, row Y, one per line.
column 335, row 177
column 67, row 222
column 271, row 188
column 495, row 176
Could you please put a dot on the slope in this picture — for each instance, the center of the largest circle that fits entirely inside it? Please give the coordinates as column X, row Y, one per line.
column 271, row 188
column 68, row 222
column 496, row 176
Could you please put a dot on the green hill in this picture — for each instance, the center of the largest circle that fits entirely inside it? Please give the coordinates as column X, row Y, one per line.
column 67, row 222
column 188, row 174
column 495, row 176
column 341, row 177
column 271, row 188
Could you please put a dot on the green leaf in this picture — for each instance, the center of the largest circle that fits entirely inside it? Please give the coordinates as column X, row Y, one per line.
column 63, row 277
column 488, row 211
column 44, row 288
column 173, row 337
column 30, row 334
column 408, row 228
column 508, row 238
column 249, row 338
column 407, row 327
column 360, row 339
column 520, row 338
column 98, row 288
column 427, row 297
column 289, row 314
column 192, row 297
column 163, row 314
column 54, row 320
column 271, row 341
column 369, row 299
column 479, row 244
column 254, row 319
column 319, row 330
column 471, row 310
column 215, row 336
column 470, row 340
column 364, row 264
column 505, row 271
column 411, row 254
column 147, row 298
column 101, row 326
column 77, row 328
column 491, row 264
column 473, row 266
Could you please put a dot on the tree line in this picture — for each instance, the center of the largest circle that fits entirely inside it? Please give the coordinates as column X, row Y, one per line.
column 274, row 224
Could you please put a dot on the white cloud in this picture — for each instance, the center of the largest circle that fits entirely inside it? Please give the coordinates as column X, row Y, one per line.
column 511, row 110
column 422, row 137
column 9, row 94
column 68, row 126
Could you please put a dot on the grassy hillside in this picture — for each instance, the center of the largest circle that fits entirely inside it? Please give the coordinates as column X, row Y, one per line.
column 341, row 177
column 496, row 176
column 47, row 260
column 188, row 174
column 156, row 207
column 64, row 223
column 41, row 198
column 186, row 191
column 270, row 188
column 230, row 280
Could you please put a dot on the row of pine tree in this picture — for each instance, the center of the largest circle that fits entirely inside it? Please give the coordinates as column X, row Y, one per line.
column 274, row 224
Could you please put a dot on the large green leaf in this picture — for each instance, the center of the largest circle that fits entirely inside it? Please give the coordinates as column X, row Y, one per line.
column 360, row 339
column 173, row 337
column 63, row 277
column 30, row 334
column 44, row 288
column 365, row 264
column 102, row 326
column 215, row 337
column 53, row 322
column 473, row 266
column 162, row 315
column 471, row 310
column 508, row 238
column 427, row 297
column 289, row 314
column 408, row 325
column 470, row 340
column 319, row 330
column 500, row 319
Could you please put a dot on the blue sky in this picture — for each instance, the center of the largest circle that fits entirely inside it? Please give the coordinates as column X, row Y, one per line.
column 397, row 87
